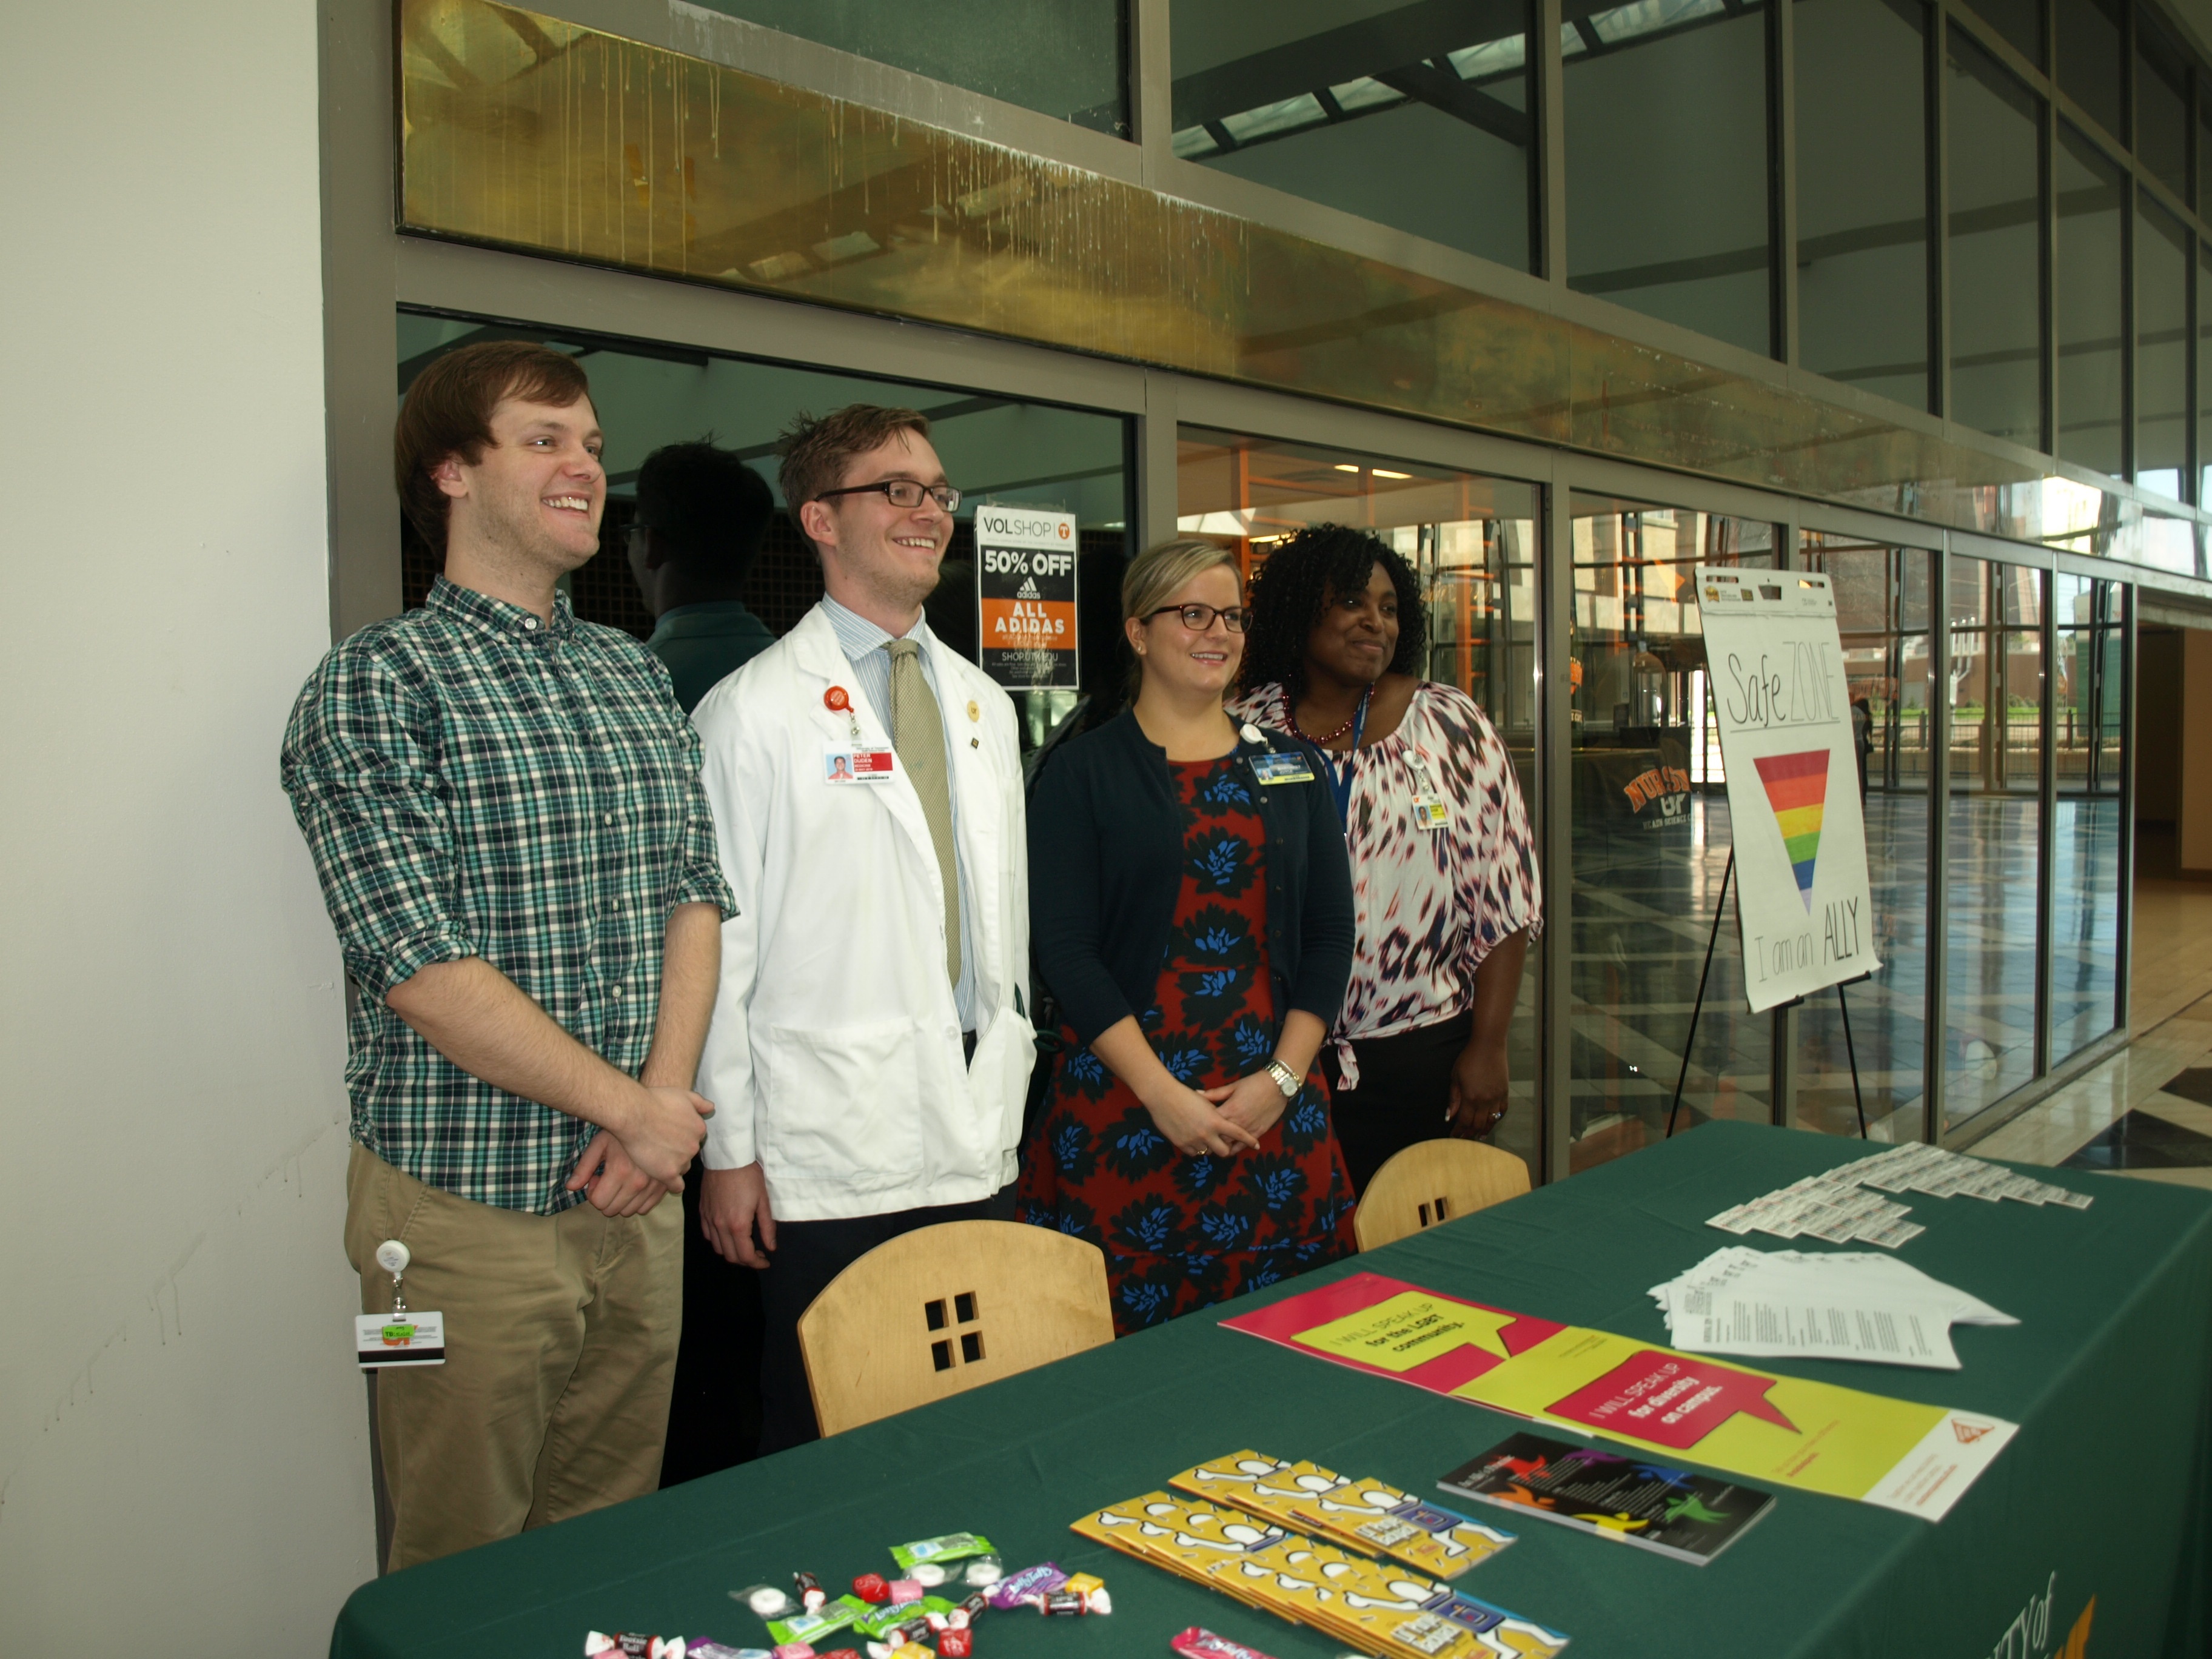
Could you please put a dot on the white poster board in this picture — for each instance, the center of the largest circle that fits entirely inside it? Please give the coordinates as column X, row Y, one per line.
column 1776, row 665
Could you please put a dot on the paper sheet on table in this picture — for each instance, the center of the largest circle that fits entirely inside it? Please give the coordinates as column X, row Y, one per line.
column 1769, row 1327
column 1839, row 1305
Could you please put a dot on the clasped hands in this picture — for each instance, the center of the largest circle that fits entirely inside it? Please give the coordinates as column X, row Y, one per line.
column 626, row 1173
column 1216, row 1122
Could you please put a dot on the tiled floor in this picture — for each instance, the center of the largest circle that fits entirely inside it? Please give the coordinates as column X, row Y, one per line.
column 2147, row 1112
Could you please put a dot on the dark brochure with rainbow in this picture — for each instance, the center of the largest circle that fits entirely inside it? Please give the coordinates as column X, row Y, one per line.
column 1594, row 1488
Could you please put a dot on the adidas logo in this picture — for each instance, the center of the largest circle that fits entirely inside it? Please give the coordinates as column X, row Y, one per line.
column 1968, row 1433
column 1029, row 589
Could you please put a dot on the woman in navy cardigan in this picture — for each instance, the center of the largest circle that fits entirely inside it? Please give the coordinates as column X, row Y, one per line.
column 1190, row 908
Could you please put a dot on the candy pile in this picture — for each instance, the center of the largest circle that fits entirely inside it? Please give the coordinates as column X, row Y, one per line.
column 905, row 1616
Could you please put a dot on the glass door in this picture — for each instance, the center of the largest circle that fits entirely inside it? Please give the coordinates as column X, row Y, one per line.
column 1651, row 840
column 1471, row 539
column 1993, row 822
column 1878, row 1025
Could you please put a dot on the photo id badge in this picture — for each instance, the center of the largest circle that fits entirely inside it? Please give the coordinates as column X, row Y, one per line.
column 399, row 1339
column 858, row 765
column 1278, row 767
column 1430, row 810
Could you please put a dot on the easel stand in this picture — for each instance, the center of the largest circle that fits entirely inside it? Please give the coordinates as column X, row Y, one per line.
column 1697, row 1009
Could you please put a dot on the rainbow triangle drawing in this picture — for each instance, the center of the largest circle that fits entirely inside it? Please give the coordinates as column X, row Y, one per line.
column 1797, row 790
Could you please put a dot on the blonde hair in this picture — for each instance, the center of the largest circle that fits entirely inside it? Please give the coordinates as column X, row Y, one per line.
column 1156, row 575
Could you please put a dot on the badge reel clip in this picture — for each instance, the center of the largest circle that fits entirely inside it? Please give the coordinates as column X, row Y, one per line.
column 400, row 1337
column 859, row 764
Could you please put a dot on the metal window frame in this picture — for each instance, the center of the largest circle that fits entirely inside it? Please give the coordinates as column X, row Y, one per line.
column 370, row 271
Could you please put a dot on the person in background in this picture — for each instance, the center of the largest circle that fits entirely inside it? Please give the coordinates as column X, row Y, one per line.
column 870, row 1048
column 1863, row 739
column 1191, row 911
column 700, row 514
column 1443, row 861
column 505, row 811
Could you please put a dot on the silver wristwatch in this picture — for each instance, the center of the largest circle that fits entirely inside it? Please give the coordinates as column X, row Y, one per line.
column 1285, row 1079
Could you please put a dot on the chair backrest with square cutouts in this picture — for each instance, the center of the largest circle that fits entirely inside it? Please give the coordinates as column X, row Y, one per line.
column 1433, row 1180
column 942, row 1309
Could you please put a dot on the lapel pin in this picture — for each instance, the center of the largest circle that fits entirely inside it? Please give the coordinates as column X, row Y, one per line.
column 975, row 711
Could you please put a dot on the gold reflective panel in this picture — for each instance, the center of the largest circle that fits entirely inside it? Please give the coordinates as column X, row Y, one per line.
column 525, row 131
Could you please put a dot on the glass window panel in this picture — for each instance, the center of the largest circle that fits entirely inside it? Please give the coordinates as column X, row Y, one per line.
column 2090, row 59
column 2204, row 150
column 1881, row 613
column 1651, row 834
column 2204, row 372
column 1996, row 264
column 2085, row 846
column 2161, row 107
column 1862, row 194
column 1066, row 58
column 1667, row 174
column 994, row 449
column 1472, row 541
column 1648, row 17
column 2162, row 246
column 1416, row 117
column 2092, row 196
column 1991, row 826
column 2019, row 21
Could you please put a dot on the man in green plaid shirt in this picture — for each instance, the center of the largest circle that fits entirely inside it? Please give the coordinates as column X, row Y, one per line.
column 505, row 809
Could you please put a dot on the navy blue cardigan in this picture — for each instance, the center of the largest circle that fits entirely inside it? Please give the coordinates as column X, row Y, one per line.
column 1105, row 831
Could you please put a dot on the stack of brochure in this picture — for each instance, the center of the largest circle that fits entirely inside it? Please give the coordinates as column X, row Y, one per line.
column 1848, row 1304
column 1845, row 1205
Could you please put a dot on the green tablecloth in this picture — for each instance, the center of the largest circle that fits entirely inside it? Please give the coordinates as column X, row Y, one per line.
column 2104, row 1493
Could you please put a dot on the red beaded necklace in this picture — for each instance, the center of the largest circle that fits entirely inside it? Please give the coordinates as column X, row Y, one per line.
column 1356, row 716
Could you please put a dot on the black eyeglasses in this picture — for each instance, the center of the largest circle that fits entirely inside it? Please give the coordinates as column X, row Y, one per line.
column 1199, row 617
column 902, row 492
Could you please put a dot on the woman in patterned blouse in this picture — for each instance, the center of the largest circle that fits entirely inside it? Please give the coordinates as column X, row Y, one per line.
column 1443, row 864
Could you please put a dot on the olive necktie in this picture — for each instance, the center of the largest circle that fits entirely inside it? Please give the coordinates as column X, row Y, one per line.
column 918, row 734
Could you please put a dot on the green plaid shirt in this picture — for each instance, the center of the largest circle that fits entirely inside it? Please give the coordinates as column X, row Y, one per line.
column 474, row 781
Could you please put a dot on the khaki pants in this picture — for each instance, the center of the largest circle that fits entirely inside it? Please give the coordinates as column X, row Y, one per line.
column 561, row 1336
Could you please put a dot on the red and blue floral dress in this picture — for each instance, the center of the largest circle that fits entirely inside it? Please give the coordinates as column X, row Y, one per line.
column 1180, row 1233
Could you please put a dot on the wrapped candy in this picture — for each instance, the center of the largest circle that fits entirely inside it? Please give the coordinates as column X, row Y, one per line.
column 627, row 1644
column 1016, row 1589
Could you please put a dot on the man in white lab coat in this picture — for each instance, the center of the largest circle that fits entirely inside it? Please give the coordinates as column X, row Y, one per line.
column 871, row 1046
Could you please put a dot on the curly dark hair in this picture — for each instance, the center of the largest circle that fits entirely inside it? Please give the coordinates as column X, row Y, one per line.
column 1305, row 572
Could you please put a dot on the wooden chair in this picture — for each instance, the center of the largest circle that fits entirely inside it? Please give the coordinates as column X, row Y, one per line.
column 1434, row 1181
column 943, row 1309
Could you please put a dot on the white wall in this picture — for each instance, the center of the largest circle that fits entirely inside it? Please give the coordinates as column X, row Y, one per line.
column 183, row 1458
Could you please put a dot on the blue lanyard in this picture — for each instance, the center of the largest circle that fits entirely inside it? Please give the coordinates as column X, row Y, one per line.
column 1340, row 785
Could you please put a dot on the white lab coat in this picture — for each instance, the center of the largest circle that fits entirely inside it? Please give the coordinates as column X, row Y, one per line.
column 835, row 1058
